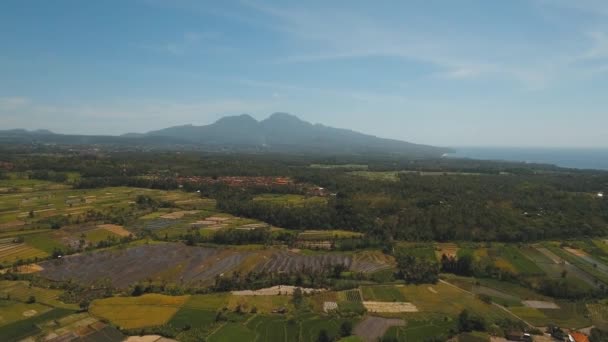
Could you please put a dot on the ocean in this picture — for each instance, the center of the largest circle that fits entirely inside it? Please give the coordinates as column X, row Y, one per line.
column 579, row 158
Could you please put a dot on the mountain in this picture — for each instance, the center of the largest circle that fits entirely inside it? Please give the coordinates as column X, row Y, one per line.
column 280, row 132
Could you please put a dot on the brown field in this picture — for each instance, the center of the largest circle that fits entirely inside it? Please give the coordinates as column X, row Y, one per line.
column 116, row 229
column 11, row 225
column 538, row 304
column 372, row 328
column 577, row 252
column 389, row 307
column 447, row 249
column 178, row 214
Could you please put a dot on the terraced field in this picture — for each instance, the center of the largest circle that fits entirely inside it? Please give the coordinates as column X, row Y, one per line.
column 11, row 251
column 171, row 262
column 175, row 262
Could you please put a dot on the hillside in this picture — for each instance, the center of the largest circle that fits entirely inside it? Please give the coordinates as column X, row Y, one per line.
column 283, row 132
column 279, row 133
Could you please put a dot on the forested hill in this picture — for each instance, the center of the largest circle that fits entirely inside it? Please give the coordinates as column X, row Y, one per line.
column 283, row 132
column 279, row 133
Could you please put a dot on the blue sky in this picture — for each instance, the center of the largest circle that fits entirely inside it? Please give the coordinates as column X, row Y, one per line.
column 453, row 73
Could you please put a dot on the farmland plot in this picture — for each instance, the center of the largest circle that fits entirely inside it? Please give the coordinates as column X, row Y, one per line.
column 171, row 262
column 11, row 252
column 557, row 265
column 175, row 262
column 372, row 328
column 137, row 312
column 284, row 261
column 382, row 293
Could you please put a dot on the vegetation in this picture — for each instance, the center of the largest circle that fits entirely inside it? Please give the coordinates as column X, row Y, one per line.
column 161, row 239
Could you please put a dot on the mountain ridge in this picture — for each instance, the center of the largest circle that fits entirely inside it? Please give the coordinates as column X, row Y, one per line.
column 280, row 132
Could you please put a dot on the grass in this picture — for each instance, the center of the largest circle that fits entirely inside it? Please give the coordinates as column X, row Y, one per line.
column 311, row 326
column 418, row 330
column 327, row 234
column 289, row 199
column 520, row 262
column 211, row 302
column 97, row 235
column 570, row 315
column 201, row 319
column 138, row 312
column 272, row 328
column 382, row 293
column 448, row 301
column 599, row 314
column 474, row 336
column 534, row 316
column 232, row 332
column 13, row 311
column 580, row 263
column 420, row 250
column 43, row 242
column 21, row 291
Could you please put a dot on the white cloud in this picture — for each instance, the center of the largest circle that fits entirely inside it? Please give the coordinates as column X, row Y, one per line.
column 11, row 103
column 187, row 42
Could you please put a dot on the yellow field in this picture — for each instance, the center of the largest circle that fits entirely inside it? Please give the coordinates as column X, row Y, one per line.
column 504, row 265
column 11, row 311
column 137, row 312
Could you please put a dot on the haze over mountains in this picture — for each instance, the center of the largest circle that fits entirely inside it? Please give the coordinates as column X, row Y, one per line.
column 280, row 132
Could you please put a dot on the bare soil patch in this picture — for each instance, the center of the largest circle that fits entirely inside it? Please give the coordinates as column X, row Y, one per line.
column 276, row 291
column 330, row 306
column 372, row 328
column 12, row 224
column 390, row 307
column 178, row 214
column 539, row 304
column 29, row 313
column 576, row 252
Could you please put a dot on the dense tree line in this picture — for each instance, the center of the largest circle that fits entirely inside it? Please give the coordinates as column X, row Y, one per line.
column 507, row 202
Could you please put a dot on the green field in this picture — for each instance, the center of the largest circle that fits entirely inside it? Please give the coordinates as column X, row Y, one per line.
column 22, row 291
column 522, row 264
column 382, row 293
column 311, row 235
column 416, row 330
column 570, row 314
column 289, row 199
column 579, row 262
column 232, row 332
